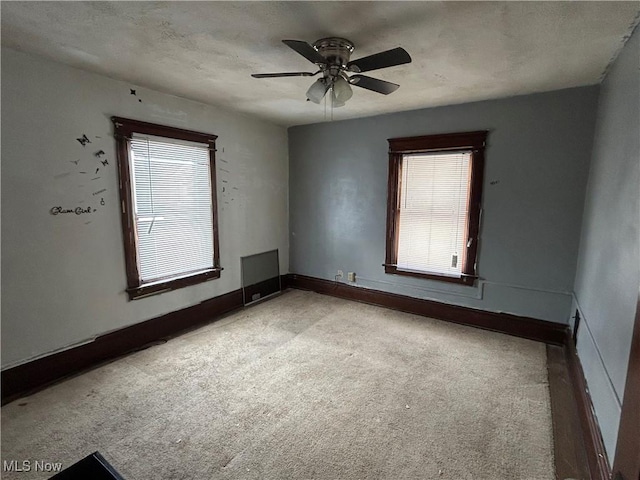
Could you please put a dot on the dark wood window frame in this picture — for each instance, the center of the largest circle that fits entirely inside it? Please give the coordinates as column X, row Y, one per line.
column 450, row 142
column 123, row 130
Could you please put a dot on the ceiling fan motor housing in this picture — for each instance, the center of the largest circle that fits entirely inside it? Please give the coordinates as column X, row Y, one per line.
column 335, row 50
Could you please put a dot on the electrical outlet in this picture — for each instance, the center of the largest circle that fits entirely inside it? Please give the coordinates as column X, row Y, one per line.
column 340, row 274
column 351, row 276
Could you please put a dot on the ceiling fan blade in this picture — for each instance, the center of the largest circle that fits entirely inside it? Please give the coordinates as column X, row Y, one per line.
column 286, row 74
column 306, row 50
column 389, row 58
column 373, row 84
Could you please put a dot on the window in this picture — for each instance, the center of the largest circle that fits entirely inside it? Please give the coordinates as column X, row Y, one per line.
column 169, row 216
column 433, row 208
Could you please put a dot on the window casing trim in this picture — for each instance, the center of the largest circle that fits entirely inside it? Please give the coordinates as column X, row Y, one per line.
column 464, row 141
column 123, row 131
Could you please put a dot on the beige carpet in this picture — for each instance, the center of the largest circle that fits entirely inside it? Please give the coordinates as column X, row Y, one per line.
column 303, row 386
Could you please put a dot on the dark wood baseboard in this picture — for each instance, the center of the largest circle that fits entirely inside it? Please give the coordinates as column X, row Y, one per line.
column 533, row 329
column 37, row 374
column 626, row 464
column 261, row 289
column 579, row 448
column 596, row 454
column 570, row 454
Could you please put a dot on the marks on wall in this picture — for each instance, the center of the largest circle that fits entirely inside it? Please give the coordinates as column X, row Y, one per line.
column 230, row 181
column 224, row 174
column 83, row 140
column 133, row 92
column 96, row 160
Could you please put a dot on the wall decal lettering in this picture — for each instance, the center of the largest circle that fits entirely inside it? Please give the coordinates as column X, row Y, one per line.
column 62, row 175
column 99, row 153
column 96, row 178
column 75, row 161
column 83, row 140
column 105, row 162
column 99, row 191
column 77, row 210
column 102, row 201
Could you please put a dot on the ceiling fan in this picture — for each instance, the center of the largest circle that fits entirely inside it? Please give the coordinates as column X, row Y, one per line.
column 332, row 55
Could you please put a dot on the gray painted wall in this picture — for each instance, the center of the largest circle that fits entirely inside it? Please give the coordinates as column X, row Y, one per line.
column 63, row 280
column 608, row 272
column 536, row 170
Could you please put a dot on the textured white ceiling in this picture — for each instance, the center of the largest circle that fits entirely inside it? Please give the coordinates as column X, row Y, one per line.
column 206, row 51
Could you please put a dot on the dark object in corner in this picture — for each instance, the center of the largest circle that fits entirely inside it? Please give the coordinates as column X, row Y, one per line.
column 576, row 325
column 93, row 466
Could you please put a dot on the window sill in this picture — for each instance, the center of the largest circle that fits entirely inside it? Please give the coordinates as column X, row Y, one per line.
column 465, row 280
column 156, row 288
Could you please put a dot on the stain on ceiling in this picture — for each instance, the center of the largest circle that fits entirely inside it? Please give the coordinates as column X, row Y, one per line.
column 206, row 51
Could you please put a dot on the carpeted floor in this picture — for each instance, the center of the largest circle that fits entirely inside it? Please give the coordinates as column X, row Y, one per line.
column 303, row 386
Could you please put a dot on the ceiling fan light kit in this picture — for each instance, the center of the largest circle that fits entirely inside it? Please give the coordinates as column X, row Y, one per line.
column 341, row 91
column 318, row 90
column 332, row 55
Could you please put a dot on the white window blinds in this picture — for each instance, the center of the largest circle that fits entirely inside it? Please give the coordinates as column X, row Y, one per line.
column 172, row 207
column 433, row 212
